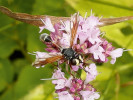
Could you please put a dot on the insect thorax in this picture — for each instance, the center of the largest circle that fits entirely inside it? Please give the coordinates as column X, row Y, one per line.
column 69, row 53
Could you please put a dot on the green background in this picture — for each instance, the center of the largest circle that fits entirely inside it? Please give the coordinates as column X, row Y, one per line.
column 20, row 81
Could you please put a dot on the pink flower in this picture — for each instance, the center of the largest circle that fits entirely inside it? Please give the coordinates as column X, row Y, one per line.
column 60, row 79
column 60, row 83
column 92, row 21
column 65, row 96
column 57, row 34
column 66, row 26
column 94, row 35
column 89, row 95
column 115, row 54
column 68, row 82
column 83, row 36
column 88, row 43
column 75, row 67
column 58, row 74
column 65, row 41
column 47, row 25
column 67, row 88
column 42, row 55
column 87, row 30
column 97, row 52
column 92, row 73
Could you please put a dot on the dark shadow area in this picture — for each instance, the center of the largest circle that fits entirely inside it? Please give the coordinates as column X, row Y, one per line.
column 127, row 30
column 16, row 54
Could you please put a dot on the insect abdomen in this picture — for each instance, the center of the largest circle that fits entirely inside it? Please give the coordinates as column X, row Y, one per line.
column 45, row 37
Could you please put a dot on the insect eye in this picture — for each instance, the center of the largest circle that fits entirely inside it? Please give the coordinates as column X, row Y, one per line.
column 75, row 61
column 45, row 37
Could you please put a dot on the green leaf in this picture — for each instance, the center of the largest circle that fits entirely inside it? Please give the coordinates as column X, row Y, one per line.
column 41, row 92
column 6, row 73
column 33, row 42
column 48, row 90
column 122, row 96
column 121, row 34
column 49, row 7
column 28, row 79
column 104, row 73
column 19, row 64
column 100, row 7
column 7, row 46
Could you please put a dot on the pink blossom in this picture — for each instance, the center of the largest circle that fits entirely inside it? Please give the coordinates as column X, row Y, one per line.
column 42, row 55
column 97, row 52
column 52, row 50
column 82, row 37
column 47, row 25
column 92, row 21
column 75, row 67
column 60, row 83
column 89, row 95
column 92, row 73
column 68, row 82
column 115, row 54
column 60, row 79
column 89, row 44
column 57, row 34
column 94, row 35
column 65, row 41
column 87, row 30
column 67, row 88
column 65, row 96
column 58, row 74
column 66, row 26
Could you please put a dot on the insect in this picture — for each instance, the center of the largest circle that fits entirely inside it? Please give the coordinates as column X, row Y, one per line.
column 68, row 54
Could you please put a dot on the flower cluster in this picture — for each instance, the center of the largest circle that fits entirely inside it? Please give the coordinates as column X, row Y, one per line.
column 88, row 42
column 74, row 88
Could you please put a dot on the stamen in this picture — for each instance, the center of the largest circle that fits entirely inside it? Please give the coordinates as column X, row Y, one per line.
column 43, row 21
column 102, row 33
column 100, row 17
column 127, row 49
column 31, row 53
column 85, row 15
column 62, row 23
column 48, row 79
column 91, row 13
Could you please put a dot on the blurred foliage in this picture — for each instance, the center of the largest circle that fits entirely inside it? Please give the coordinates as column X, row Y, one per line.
column 20, row 81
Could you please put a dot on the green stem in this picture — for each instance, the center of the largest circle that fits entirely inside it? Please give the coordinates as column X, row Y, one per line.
column 117, row 85
column 8, row 26
column 5, row 27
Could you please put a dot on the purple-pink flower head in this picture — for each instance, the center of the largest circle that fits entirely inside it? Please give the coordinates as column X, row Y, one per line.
column 73, row 39
column 78, row 43
column 75, row 88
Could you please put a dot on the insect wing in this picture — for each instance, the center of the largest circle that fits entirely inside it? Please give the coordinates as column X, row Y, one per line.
column 74, row 28
column 41, row 62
